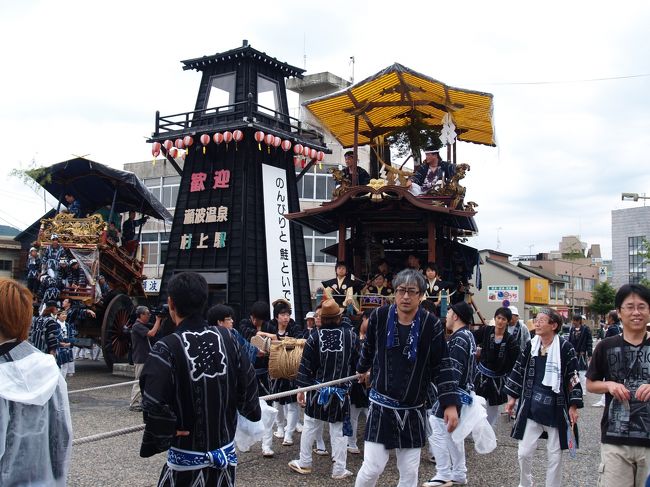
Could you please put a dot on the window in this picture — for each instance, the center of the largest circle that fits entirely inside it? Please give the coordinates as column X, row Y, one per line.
column 153, row 184
column 165, row 189
column 577, row 284
column 317, row 184
column 566, row 278
column 587, row 284
column 222, row 92
column 637, row 265
column 5, row 265
column 268, row 95
column 154, row 248
column 315, row 242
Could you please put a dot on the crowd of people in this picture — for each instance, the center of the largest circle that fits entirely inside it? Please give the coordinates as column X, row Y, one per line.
column 414, row 375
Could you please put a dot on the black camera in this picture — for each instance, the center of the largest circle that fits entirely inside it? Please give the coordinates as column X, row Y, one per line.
column 162, row 311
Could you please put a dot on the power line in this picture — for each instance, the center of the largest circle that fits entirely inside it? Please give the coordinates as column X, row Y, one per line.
column 20, row 224
column 559, row 82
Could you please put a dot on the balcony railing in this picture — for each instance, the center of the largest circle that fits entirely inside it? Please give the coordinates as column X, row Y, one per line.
column 231, row 115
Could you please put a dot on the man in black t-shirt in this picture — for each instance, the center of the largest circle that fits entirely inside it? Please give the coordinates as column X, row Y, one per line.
column 619, row 368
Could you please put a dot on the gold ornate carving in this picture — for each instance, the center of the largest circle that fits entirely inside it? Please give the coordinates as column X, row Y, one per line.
column 470, row 206
column 453, row 188
column 73, row 230
column 377, row 183
column 343, row 183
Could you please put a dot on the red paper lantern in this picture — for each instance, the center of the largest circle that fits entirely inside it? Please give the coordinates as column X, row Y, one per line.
column 312, row 153
column 277, row 141
column 297, row 149
column 168, row 144
column 188, row 140
column 178, row 143
column 205, row 140
column 320, row 155
column 155, row 149
column 227, row 136
column 218, row 138
column 268, row 139
column 286, row 145
column 238, row 135
column 305, row 151
column 173, row 152
column 259, row 137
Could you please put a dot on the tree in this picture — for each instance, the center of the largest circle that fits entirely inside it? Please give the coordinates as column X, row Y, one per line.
column 645, row 253
column 414, row 137
column 602, row 298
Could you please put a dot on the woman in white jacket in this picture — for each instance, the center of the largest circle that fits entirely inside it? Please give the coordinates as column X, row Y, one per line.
column 35, row 425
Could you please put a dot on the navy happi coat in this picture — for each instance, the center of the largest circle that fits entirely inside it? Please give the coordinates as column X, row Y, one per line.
column 395, row 376
column 329, row 354
column 197, row 379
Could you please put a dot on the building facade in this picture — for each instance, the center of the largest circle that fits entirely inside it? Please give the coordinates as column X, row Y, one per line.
column 505, row 283
column 630, row 227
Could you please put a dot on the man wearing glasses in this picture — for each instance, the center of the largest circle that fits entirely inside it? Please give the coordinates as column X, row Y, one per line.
column 619, row 368
column 405, row 350
column 545, row 380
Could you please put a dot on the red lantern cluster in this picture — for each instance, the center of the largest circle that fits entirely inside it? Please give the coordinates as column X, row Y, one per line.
column 301, row 153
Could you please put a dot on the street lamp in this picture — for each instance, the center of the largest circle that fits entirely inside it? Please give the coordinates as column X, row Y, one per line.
column 634, row 197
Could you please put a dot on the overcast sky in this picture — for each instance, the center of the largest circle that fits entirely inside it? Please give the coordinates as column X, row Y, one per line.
column 85, row 77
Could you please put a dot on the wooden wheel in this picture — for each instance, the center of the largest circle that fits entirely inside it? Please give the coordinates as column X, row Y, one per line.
column 115, row 338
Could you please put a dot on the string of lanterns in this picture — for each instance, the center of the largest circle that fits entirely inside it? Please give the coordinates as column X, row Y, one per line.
column 180, row 147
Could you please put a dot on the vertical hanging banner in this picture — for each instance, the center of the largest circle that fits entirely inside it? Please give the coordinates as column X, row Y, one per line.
column 278, row 234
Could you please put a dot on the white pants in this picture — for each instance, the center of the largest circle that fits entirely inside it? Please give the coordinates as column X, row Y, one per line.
column 526, row 452
column 267, row 440
column 71, row 368
column 492, row 414
column 583, row 380
column 65, row 368
column 287, row 418
column 320, row 442
column 375, row 457
column 355, row 412
column 450, row 455
column 136, row 395
column 431, row 438
column 310, row 430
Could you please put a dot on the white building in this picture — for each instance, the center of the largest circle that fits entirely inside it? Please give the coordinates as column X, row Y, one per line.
column 630, row 226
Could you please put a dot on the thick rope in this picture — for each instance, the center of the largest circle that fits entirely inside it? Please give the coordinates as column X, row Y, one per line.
column 128, row 383
column 140, row 427
column 108, row 434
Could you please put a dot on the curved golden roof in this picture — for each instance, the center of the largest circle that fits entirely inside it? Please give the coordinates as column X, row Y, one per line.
column 384, row 101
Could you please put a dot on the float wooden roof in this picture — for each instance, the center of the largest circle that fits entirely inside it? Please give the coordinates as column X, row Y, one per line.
column 395, row 206
column 384, row 101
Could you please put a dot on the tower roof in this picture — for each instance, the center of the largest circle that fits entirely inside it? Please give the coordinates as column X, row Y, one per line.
column 242, row 52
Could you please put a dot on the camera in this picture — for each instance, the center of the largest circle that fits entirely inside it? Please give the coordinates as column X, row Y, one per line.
column 162, row 311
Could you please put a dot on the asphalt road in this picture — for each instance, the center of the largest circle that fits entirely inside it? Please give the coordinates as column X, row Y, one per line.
column 116, row 461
